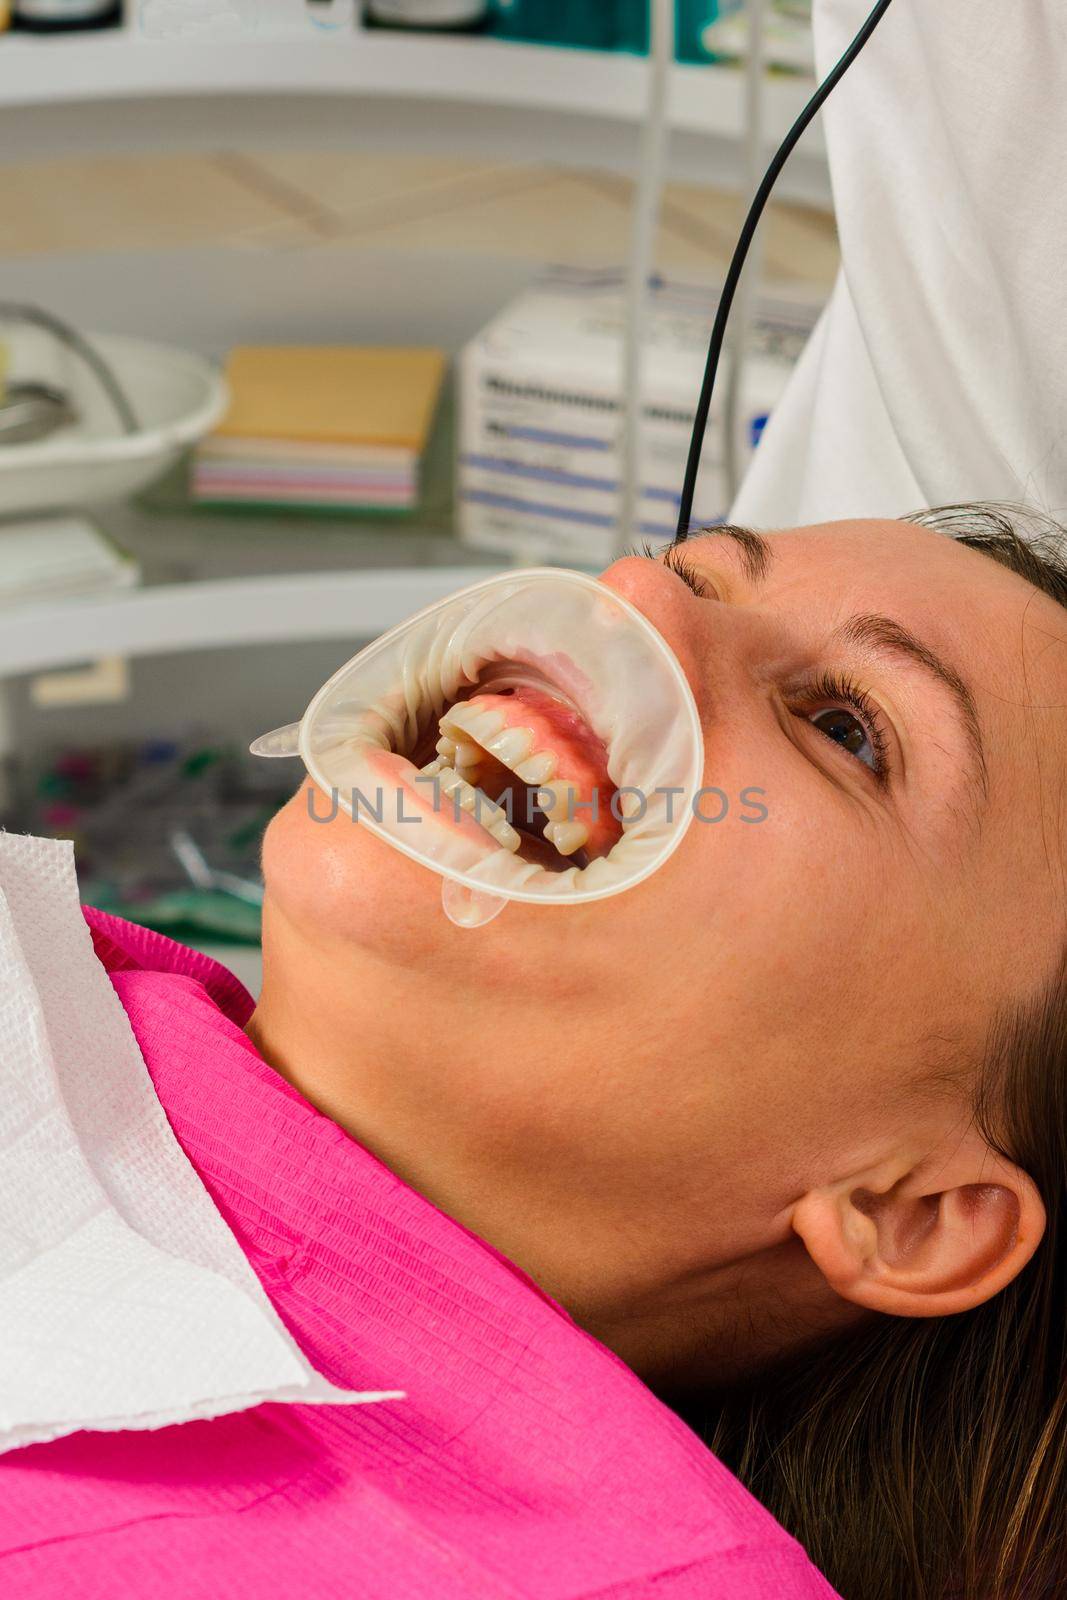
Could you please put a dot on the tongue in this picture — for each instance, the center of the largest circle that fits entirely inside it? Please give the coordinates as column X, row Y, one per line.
column 581, row 758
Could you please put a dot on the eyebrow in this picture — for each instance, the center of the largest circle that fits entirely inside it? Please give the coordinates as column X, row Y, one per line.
column 875, row 632
column 757, row 557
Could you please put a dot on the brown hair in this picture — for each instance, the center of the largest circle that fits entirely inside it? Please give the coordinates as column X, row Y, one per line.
column 927, row 1460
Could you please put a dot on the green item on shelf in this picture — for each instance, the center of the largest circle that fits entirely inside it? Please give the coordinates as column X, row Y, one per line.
column 633, row 26
column 609, row 24
column 199, row 761
column 717, row 30
column 585, row 24
column 691, row 19
column 272, row 508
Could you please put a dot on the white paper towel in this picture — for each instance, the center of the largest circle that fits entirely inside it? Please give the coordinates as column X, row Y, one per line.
column 125, row 1301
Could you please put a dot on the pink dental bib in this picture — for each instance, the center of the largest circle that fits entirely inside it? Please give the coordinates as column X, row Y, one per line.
column 525, row 1463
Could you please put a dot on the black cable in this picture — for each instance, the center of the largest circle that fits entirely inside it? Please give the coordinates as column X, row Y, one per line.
column 92, row 358
column 733, row 276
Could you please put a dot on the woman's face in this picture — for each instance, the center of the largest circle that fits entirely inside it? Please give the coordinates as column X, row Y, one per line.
column 776, row 1001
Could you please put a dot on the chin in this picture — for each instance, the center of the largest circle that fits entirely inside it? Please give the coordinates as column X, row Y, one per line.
column 338, row 885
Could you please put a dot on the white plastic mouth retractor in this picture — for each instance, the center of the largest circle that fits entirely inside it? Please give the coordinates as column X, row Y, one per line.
column 584, row 646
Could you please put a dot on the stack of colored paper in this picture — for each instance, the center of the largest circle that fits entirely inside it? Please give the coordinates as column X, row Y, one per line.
column 321, row 427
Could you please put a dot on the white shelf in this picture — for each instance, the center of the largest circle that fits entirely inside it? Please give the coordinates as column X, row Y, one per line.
column 235, row 611
column 469, row 71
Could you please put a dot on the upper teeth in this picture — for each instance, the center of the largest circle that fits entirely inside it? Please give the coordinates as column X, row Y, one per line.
column 467, row 755
column 559, row 801
column 470, row 722
column 470, row 732
column 511, row 746
column 538, row 769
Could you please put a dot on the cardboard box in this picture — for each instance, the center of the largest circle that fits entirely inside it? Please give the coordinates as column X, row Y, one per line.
column 540, row 419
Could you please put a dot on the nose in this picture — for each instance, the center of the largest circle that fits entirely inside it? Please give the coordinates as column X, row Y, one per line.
column 716, row 642
column 674, row 610
column 655, row 591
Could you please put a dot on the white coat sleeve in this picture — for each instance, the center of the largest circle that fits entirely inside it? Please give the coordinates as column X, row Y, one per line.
column 938, row 371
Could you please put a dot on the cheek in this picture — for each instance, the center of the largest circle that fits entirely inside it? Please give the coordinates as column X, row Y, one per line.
column 783, row 940
column 336, row 882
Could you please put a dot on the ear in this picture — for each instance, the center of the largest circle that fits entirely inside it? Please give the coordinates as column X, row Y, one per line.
column 926, row 1239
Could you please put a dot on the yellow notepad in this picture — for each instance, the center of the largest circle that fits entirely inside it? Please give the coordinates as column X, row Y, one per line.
column 333, row 394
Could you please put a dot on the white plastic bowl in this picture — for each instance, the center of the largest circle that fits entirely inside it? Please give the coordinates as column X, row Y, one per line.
column 177, row 398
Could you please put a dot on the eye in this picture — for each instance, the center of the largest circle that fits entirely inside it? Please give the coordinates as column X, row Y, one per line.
column 846, row 715
column 833, row 704
column 846, row 729
column 684, row 569
column 680, row 564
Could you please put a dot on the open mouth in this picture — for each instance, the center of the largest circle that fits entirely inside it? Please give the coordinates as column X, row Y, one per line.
column 535, row 725
column 512, row 754
column 520, row 757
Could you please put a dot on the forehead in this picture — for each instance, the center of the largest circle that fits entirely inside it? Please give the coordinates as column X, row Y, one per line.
column 981, row 614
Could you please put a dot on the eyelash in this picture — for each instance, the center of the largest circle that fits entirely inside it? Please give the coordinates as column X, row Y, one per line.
column 677, row 562
column 835, row 689
column 830, row 687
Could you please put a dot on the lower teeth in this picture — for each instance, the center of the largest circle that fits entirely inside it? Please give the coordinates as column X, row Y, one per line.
column 465, row 797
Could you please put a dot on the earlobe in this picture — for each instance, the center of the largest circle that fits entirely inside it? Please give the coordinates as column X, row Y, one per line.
column 938, row 1237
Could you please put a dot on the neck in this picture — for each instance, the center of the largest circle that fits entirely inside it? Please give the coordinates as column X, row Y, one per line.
column 389, row 1055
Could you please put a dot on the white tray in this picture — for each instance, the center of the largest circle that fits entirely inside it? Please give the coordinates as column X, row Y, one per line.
column 176, row 396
